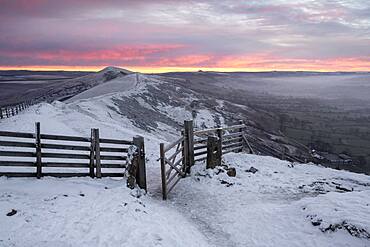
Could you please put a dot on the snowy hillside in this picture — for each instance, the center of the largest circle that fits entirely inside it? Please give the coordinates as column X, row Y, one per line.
column 63, row 89
column 280, row 204
column 119, row 84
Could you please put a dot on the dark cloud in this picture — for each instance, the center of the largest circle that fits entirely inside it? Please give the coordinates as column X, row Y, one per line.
column 181, row 33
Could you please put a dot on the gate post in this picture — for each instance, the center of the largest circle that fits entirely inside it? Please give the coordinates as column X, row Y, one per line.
column 38, row 150
column 92, row 154
column 241, row 130
column 185, row 152
column 163, row 171
column 97, row 153
column 188, row 145
column 219, row 143
column 213, row 152
column 140, row 171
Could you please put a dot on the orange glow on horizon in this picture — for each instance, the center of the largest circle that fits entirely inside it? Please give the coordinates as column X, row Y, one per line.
column 181, row 69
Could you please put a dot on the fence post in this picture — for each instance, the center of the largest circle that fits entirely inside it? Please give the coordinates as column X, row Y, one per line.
column 213, row 156
column 163, row 171
column 241, row 130
column 12, row 109
column 185, row 152
column 189, row 144
column 92, row 153
column 16, row 109
column 219, row 146
column 1, row 113
column 38, row 150
column 97, row 153
column 141, row 170
column 283, row 153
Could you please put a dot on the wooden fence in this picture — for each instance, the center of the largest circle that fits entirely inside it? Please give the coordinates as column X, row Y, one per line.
column 178, row 157
column 9, row 111
column 57, row 155
column 258, row 147
column 211, row 144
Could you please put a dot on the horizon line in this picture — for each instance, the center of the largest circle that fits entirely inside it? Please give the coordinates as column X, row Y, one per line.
column 159, row 70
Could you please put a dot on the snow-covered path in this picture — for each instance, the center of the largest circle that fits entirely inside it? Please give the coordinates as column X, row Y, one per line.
column 277, row 206
column 88, row 212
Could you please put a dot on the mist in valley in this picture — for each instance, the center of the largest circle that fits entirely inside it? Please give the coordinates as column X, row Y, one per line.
column 329, row 112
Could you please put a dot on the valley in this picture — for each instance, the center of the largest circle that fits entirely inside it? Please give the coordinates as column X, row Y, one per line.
column 327, row 112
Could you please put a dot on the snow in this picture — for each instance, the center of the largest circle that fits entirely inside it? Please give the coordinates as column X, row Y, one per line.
column 176, row 113
column 273, row 206
column 282, row 204
column 119, row 84
column 115, row 70
column 87, row 212
column 205, row 119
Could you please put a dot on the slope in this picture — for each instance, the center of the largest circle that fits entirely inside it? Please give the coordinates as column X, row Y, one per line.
column 282, row 204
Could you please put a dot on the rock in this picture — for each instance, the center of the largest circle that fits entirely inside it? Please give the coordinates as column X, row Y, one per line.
column 291, row 165
column 131, row 182
column 316, row 222
column 227, row 183
column 231, row 172
column 344, row 189
column 218, row 171
column 11, row 213
column 252, row 170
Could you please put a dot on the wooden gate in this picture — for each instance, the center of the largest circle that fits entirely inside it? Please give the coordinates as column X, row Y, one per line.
column 172, row 165
column 178, row 157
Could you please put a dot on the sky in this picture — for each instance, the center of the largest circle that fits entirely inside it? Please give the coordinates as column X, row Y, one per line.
column 169, row 35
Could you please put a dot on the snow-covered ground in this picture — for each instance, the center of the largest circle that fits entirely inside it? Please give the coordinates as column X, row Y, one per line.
column 119, row 84
column 282, row 204
column 86, row 212
column 279, row 205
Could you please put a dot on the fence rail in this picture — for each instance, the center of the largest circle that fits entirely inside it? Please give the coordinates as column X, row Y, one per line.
column 258, row 147
column 96, row 156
